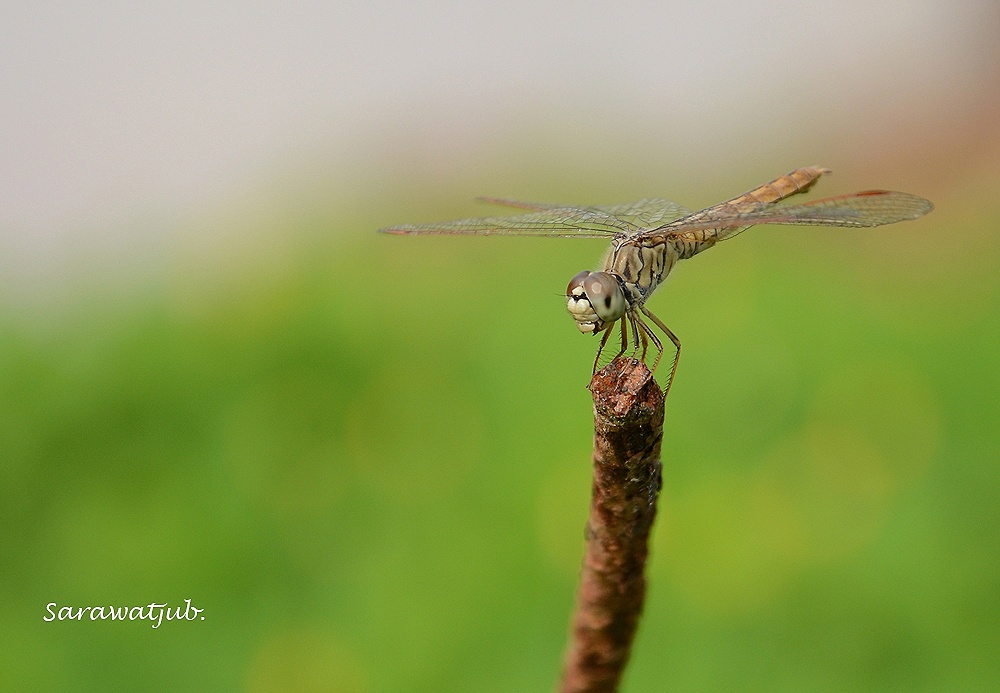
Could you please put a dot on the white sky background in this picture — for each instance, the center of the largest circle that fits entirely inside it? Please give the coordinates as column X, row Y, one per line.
column 111, row 110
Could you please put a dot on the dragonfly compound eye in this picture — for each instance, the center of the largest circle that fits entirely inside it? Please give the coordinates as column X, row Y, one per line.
column 594, row 299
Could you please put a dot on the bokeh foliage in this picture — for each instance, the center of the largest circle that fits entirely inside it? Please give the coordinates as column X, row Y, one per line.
column 367, row 459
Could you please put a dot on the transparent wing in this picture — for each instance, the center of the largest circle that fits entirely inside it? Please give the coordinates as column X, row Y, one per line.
column 861, row 209
column 557, row 220
column 646, row 214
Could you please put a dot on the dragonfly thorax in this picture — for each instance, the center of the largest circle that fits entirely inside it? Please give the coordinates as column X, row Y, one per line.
column 595, row 300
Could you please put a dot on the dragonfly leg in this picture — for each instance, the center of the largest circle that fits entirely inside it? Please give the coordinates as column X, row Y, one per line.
column 600, row 347
column 604, row 340
column 647, row 331
column 643, row 331
column 635, row 336
column 673, row 338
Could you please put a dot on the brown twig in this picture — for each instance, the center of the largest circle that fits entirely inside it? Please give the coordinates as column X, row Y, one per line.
column 628, row 428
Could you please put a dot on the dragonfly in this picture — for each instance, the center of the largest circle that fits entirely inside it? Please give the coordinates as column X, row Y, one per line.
column 650, row 236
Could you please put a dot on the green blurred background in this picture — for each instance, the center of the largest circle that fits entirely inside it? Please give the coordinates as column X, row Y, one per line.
column 367, row 457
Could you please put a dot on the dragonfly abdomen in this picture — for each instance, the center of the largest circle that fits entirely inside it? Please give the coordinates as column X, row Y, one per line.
column 688, row 247
column 798, row 181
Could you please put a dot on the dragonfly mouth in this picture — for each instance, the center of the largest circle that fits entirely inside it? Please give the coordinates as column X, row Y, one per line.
column 586, row 319
column 582, row 310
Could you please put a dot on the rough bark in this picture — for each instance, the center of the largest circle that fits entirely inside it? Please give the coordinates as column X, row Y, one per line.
column 628, row 429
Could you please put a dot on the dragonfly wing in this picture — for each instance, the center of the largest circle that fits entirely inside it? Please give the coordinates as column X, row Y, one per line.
column 855, row 210
column 861, row 209
column 646, row 214
column 570, row 222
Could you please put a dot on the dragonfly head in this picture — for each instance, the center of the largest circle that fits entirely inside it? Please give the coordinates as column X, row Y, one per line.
column 595, row 300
